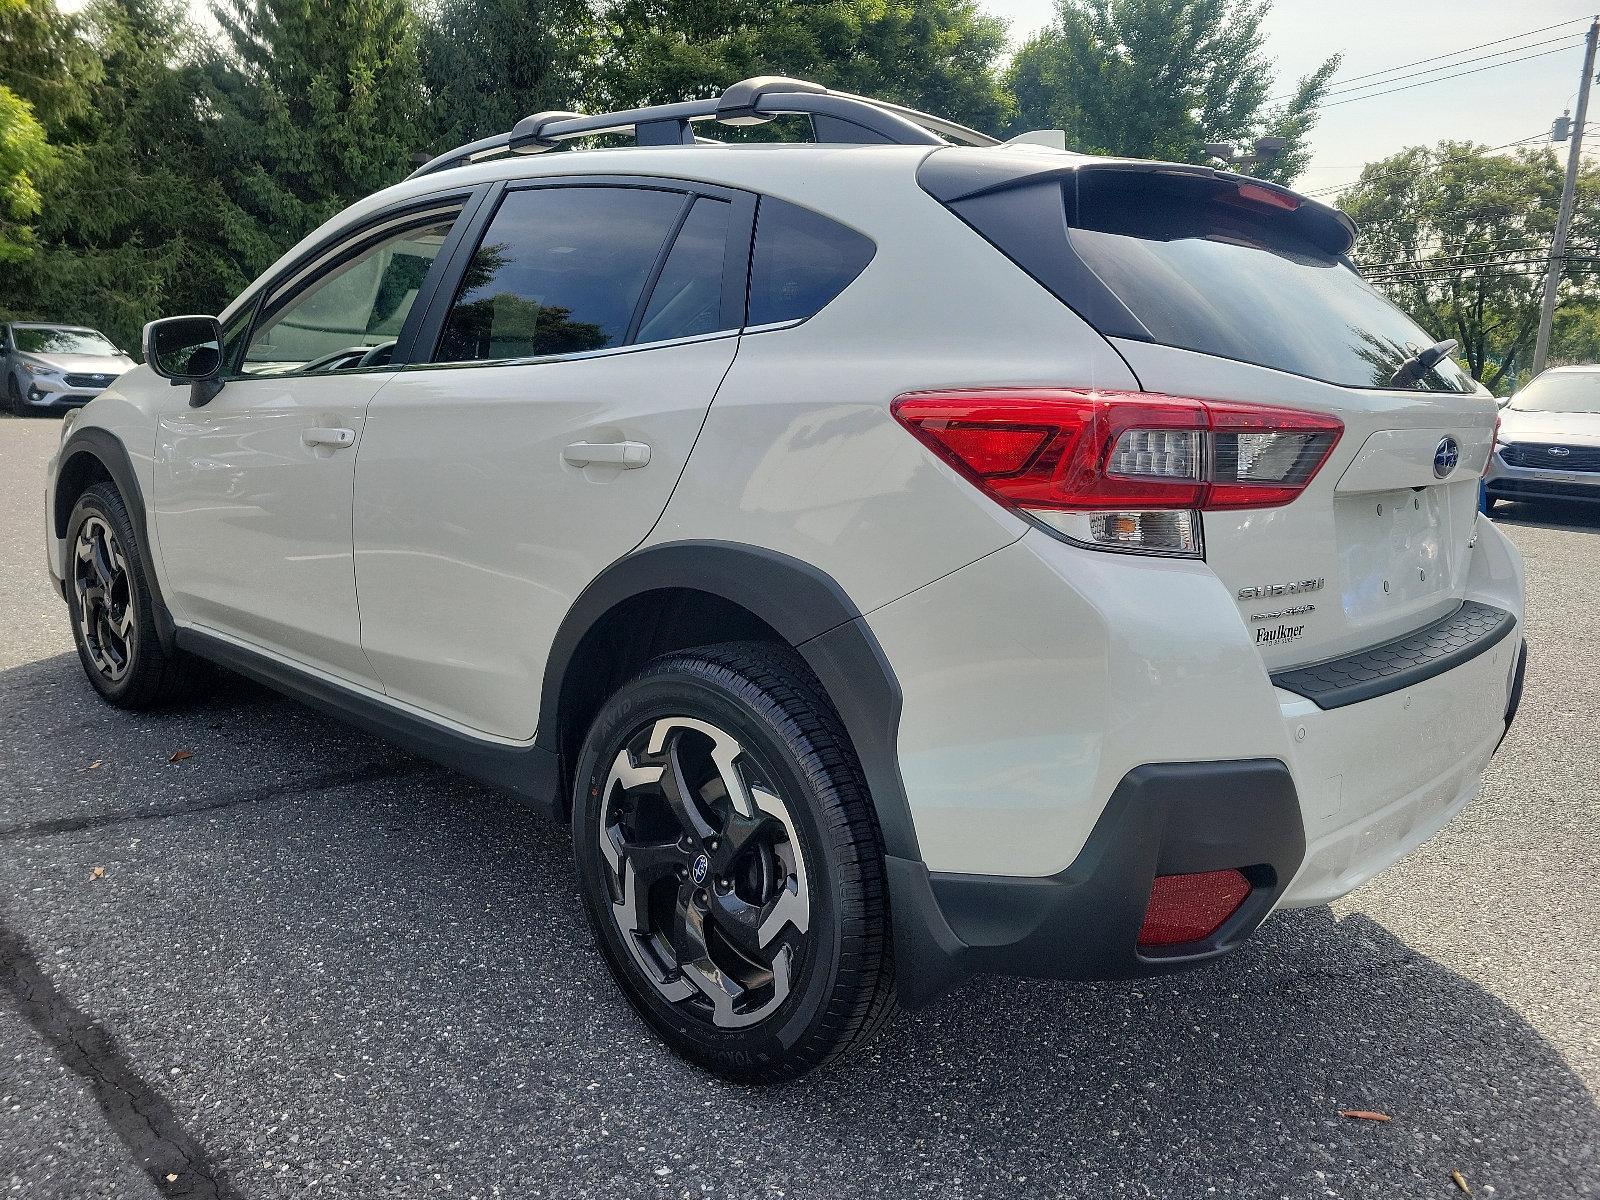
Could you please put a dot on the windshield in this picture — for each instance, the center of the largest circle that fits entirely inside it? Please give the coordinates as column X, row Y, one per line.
column 41, row 339
column 1577, row 391
column 1211, row 271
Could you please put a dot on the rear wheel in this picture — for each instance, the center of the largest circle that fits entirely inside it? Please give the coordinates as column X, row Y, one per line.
column 113, row 614
column 731, row 863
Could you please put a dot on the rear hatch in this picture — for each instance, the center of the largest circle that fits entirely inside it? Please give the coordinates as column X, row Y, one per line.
column 1221, row 288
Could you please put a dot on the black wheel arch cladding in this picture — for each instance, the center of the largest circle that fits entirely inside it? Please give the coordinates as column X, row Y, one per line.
column 87, row 456
column 805, row 607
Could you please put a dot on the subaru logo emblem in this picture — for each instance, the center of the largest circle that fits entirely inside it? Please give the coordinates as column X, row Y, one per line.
column 1445, row 457
column 1560, row 451
column 702, row 865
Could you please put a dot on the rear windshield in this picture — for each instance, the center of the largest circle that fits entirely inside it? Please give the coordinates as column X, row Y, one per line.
column 36, row 339
column 1204, row 268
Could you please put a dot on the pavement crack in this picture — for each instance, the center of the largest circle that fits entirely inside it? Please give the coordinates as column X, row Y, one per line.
column 136, row 1112
column 235, row 799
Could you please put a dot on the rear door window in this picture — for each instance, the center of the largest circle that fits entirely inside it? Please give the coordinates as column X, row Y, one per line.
column 560, row 270
column 687, row 298
column 802, row 260
column 1214, row 269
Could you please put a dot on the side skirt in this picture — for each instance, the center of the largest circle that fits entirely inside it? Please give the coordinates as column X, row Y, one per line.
column 529, row 772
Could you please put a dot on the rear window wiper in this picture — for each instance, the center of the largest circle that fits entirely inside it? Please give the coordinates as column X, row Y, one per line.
column 1420, row 363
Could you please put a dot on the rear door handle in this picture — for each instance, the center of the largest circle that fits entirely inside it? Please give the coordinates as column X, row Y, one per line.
column 627, row 455
column 328, row 437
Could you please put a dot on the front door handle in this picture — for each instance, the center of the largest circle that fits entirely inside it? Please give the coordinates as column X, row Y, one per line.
column 627, row 455
column 329, row 437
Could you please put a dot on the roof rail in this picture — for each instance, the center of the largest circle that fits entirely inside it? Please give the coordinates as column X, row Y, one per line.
column 836, row 117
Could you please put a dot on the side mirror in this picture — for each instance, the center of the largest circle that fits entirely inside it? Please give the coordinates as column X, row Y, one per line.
column 187, row 350
column 1502, row 402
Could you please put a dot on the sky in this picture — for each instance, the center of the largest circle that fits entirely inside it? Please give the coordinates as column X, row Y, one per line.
column 1504, row 104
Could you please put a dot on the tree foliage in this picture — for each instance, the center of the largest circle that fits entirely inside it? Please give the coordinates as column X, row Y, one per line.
column 24, row 155
column 317, row 104
column 936, row 55
column 1160, row 79
column 1459, row 238
column 486, row 64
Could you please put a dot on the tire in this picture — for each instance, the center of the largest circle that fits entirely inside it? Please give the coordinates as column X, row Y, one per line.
column 117, row 641
column 778, row 896
column 14, row 396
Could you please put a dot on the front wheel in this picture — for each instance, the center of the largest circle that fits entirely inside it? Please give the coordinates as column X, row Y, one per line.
column 14, row 397
column 113, row 615
column 731, row 863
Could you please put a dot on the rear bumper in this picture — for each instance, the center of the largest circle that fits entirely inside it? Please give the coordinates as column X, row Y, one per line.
column 1083, row 923
column 1120, row 725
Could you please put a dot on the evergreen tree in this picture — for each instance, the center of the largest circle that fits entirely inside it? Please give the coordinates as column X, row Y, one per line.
column 489, row 63
column 128, row 227
column 1160, row 78
column 317, row 104
column 45, row 62
column 936, row 55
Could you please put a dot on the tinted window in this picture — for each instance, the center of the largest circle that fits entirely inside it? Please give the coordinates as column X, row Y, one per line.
column 559, row 271
column 1213, row 271
column 36, row 339
column 348, row 310
column 802, row 261
column 687, row 298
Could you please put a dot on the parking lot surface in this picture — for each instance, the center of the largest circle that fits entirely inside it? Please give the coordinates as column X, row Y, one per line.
column 311, row 965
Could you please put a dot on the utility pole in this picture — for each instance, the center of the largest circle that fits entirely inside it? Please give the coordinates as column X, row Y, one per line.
column 1569, row 193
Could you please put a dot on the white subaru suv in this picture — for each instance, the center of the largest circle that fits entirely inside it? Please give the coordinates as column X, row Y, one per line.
column 899, row 557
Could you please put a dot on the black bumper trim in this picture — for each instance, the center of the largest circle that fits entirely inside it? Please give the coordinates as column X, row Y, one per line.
column 1432, row 650
column 1083, row 923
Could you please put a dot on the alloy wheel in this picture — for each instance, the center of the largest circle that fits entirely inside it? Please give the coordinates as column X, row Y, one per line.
column 107, row 622
column 706, row 875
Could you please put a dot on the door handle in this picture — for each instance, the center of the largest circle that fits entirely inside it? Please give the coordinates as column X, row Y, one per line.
column 627, row 455
column 328, row 437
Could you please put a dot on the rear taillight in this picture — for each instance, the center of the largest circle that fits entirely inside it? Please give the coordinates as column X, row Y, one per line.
column 1494, row 448
column 1121, row 470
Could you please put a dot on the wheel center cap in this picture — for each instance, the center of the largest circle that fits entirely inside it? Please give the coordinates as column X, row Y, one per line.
column 701, row 867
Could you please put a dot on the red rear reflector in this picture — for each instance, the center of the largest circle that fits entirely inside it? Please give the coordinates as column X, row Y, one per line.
column 1060, row 450
column 1190, row 908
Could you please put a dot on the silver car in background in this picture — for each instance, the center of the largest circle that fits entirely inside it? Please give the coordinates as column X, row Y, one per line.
column 56, row 367
column 1549, row 442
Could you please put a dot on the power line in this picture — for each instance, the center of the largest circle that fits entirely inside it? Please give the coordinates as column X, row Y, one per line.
column 1359, row 87
column 1451, row 54
column 1442, row 78
column 1340, row 187
column 1535, row 269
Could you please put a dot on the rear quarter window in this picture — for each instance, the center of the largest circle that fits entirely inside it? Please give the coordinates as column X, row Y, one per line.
column 801, row 261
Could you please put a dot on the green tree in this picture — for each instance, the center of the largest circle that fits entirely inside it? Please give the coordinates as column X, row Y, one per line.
column 489, row 63
column 44, row 61
column 317, row 104
column 129, row 224
column 1160, row 79
column 24, row 154
column 937, row 55
column 1459, row 238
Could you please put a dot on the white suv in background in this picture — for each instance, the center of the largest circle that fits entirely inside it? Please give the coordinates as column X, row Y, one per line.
column 899, row 557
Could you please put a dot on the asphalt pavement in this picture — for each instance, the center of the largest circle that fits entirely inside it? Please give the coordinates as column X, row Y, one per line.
column 298, row 963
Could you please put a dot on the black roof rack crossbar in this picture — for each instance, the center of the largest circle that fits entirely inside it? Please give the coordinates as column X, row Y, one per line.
column 836, row 117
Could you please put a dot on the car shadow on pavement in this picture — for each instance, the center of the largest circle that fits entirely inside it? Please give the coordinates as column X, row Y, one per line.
column 1576, row 516
column 320, row 958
